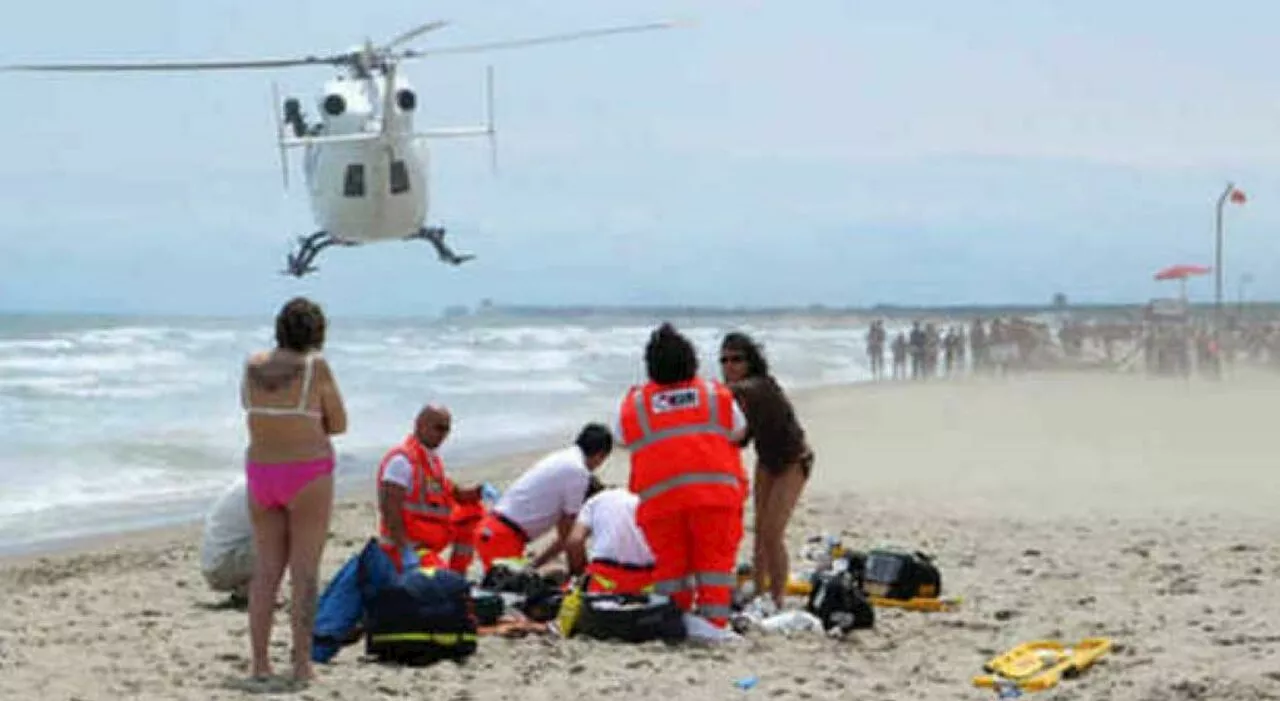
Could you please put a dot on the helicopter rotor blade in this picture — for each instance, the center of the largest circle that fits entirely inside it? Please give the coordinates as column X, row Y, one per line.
column 533, row 41
column 144, row 66
column 414, row 34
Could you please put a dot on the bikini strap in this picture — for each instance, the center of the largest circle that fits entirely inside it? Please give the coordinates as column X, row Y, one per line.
column 306, row 382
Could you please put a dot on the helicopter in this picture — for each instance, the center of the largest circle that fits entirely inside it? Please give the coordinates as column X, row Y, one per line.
column 364, row 161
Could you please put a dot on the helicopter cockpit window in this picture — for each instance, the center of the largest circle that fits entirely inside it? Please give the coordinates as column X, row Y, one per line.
column 399, row 178
column 353, row 183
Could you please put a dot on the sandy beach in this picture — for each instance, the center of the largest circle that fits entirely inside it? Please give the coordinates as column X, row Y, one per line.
column 1058, row 506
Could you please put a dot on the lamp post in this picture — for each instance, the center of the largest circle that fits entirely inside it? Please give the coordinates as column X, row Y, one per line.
column 1236, row 196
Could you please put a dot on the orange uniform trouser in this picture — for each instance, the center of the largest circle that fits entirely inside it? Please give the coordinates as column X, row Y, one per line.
column 464, row 522
column 498, row 538
column 608, row 577
column 700, row 545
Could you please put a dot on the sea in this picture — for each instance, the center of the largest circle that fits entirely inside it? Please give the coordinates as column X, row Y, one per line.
column 112, row 424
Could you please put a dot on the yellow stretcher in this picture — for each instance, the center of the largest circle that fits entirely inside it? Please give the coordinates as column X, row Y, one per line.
column 920, row 603
column 1039, row 665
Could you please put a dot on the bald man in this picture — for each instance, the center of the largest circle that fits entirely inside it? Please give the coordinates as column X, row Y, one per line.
column 417, row 503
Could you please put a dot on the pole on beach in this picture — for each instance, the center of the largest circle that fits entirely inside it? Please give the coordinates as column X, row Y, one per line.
column 1238, row 197
column 1233, row 195
column 1217, row 258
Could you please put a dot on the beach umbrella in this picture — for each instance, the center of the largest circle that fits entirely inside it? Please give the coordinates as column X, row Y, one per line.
column 1180, row 273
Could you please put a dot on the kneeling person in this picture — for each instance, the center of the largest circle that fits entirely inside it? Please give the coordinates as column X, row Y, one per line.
column 619, row 560
column 418, row 505
column 549, row 495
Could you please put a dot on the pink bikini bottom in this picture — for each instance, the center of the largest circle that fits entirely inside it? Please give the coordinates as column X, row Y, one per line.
column 274, row 485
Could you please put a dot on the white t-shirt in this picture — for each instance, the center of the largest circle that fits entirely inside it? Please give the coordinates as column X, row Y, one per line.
column 610, row 517
column 227, row 526
column 399, row 471
column 739, row 421
column 555, row 486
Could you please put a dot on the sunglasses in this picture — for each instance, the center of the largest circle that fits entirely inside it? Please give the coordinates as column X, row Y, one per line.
column 440, row 426
column 725, row 359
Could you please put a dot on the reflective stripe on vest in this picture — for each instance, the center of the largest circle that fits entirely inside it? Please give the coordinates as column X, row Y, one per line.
column 437, row 638
column 687, row 479
column 648, row 435
column 429, row 509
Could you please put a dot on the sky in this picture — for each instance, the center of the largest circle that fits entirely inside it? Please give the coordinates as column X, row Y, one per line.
column 769, row 153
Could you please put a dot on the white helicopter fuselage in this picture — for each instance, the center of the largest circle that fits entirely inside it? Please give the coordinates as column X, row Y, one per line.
column 364, row 163
column 373, row 187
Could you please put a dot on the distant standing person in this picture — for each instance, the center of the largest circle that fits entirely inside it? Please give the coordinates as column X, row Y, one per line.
column 293, row 407
column 916, row 343
column 900, row 356
column 783, row 456
column 875, row 349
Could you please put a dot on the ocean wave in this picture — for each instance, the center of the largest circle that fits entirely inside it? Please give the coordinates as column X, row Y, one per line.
column 99, row 363
column 125, row 419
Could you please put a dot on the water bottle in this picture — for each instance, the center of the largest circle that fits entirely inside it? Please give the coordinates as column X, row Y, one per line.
column 570, row 609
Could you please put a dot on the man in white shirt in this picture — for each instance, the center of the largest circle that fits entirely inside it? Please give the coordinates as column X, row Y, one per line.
column 547, row 496
column 619, row 559
column 226, row 549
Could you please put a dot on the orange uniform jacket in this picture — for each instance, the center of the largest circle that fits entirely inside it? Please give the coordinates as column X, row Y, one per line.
column 429, row 504
column 682, row 453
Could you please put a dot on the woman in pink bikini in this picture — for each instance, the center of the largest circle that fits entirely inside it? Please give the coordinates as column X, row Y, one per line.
column 293, row 406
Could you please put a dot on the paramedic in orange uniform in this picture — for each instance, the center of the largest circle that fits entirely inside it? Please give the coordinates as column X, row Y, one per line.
column 683, row 433
column 544, row 498
column 417, row 502
column 618, row 560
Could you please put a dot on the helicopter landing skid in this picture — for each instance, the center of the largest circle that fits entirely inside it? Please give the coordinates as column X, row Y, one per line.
column 299, row 263
column 435, row 235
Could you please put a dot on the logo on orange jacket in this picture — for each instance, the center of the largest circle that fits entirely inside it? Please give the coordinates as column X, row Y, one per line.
column 675, row 399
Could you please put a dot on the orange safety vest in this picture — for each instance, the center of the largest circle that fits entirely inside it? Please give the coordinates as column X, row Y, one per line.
column 429, row 502
column 682, row 456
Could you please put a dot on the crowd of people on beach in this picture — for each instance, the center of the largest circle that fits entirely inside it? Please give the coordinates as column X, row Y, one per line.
column 674, row 529
column 928, row 350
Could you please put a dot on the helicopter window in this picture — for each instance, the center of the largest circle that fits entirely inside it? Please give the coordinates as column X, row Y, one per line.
column 399, row 178
column 353, row 183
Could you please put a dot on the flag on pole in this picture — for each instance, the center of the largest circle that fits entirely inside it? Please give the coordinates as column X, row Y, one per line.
column 1237, row 196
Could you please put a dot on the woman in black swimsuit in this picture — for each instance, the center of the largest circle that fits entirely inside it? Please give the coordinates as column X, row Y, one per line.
column 783, row 456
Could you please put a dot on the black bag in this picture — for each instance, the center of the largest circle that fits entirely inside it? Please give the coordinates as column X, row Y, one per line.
column 539, row 595
column 632, row 618
column 421, row 617
column 838, row 601
column 487, row 605
column 523, row 581
column 901, row 574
